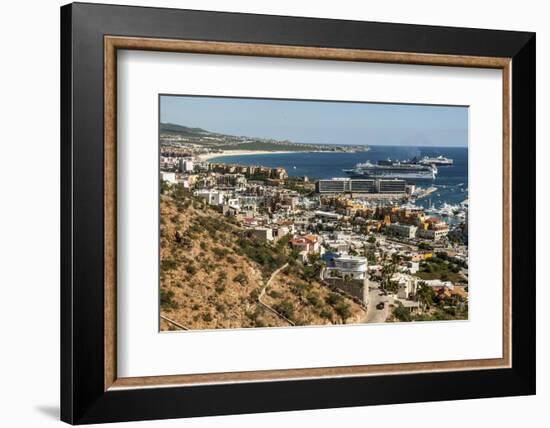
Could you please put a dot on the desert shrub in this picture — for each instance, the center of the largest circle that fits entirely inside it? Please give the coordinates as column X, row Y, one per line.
column 333, row 299
column 313, row 299
column 207, row 317
column 254, row 294
column 191, row 269
column 343, row 310
column 269, row 258
column 168, row 264
column 325, row 313
column 167, row 299
column 241, row 278
column 299, row 289
column 285, row 308
column 274, row 293
column 220, row 253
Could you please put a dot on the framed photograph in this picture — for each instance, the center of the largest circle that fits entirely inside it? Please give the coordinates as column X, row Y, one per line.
column 267, row 213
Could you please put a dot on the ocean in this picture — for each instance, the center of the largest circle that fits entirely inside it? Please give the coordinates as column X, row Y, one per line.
column 451, row 181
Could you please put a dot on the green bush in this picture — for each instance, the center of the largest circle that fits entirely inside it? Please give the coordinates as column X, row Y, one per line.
column 167, row 299
column 191, row 269
column 285, row 308
column 343, row 310
column 168, row 264
column 401, row 313
column 325, row 313
column 333, row 299
column 241, row 278
column 274, row 293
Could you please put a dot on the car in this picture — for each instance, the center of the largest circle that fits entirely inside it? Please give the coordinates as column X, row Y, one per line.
column 380, row 306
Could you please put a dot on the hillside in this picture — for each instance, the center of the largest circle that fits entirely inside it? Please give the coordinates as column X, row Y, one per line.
column 168, row 128
column 212, row 274
column 179, row 136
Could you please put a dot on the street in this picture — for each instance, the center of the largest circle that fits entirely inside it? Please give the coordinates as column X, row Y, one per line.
column 375, row 297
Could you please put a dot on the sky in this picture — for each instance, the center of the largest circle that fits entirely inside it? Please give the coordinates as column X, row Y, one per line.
column 323, row 122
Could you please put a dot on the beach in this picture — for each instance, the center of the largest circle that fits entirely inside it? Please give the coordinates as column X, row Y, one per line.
column 208, row 156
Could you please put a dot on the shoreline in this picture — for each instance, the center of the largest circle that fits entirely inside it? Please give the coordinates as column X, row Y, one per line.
column 208, row 156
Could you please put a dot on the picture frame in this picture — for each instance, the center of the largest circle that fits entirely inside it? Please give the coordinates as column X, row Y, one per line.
column 91, row 391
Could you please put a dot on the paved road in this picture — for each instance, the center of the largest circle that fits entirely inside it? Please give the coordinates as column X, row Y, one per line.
column 375, row 296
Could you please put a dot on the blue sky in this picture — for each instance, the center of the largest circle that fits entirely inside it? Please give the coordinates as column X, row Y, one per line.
column 327, row 122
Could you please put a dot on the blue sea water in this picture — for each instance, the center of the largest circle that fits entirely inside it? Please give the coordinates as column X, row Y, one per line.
column 451, row 181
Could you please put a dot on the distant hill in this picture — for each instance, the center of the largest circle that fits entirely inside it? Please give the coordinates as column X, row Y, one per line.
column 180, row 129
column 174, row 136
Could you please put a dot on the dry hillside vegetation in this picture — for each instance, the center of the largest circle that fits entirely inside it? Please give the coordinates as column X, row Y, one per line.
column 212, row 273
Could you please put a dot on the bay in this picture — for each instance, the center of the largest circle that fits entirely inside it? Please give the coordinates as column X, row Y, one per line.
column 451, row 181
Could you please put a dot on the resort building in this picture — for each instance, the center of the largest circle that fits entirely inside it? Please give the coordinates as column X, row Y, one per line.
column 346, row 266
column 403, row 230
column 350, row 185
column 393, row 185
column 434, row 234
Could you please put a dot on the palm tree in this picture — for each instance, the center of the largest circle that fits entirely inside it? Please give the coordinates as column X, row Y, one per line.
column 425, row 295
column 388, row 269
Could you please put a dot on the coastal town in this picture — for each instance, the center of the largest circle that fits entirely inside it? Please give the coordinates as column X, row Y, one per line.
column 311, row 251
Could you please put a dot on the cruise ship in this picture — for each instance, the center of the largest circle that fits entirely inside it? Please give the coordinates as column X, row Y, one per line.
column 393, row 169
column 439, row 160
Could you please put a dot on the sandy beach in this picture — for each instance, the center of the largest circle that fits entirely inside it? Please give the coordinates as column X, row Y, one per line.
column 208, row 156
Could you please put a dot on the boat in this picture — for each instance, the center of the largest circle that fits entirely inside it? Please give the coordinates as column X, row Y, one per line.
column 392, row 169
column 438, row 160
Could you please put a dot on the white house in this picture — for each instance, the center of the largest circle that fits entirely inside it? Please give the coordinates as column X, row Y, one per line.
column 212, row 197
column 353, row 267
column 407, row 284
column 169, row 177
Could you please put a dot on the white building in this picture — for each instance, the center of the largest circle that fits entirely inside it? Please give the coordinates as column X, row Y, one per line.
column 412, row 267
column 434, row 234
column 352, row 267
column 437, row 283
column 263, row 233
column 186, row 165
column 404, row 230
column 212, row 197
column 407, row 284
column 169, row 177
